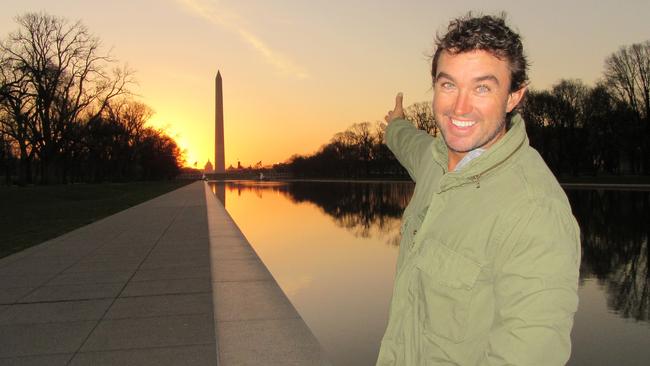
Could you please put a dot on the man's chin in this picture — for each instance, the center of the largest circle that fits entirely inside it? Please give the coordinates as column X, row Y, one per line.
column 459, row 147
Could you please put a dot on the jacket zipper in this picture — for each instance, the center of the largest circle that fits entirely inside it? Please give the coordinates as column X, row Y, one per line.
column 477, row 178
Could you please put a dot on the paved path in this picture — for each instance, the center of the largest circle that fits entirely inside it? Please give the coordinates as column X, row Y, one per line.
column 141, row 288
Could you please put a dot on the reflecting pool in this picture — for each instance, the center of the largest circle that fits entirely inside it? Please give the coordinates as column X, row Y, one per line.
column 332, row 247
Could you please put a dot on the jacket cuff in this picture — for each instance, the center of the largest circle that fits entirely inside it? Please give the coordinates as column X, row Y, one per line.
column 394, row 126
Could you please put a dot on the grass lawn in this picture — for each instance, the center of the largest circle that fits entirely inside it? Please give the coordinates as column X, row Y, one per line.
column 32, row 215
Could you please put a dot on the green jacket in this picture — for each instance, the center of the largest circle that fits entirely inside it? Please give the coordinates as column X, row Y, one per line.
column 487, row 272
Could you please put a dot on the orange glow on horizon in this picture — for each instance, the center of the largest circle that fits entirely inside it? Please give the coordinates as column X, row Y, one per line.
column 274, row 131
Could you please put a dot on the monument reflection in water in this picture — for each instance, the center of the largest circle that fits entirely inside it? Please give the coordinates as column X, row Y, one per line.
column 332, row 247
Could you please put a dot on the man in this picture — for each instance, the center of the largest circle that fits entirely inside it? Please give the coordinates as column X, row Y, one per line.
column 487, row 272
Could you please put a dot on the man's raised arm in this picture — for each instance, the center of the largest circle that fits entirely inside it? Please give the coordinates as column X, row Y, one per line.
column 404, row 140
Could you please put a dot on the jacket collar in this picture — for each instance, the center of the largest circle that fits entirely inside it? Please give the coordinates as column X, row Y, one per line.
column 499, row 154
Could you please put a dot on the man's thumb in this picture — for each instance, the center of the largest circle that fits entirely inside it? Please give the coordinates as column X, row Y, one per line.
column 398, row 102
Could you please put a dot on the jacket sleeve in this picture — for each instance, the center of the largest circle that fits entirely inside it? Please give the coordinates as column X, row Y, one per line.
column 536, row 282
column 408, row 144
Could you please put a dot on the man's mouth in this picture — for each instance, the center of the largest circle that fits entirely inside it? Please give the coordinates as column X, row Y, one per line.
column 462, row 124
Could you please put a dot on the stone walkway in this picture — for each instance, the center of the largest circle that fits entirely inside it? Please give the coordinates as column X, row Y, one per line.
column 142, row 287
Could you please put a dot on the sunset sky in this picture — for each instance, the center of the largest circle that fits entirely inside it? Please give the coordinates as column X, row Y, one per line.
column 295, row 72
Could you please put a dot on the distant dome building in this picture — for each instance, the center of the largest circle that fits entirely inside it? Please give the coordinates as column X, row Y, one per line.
column 208, row 167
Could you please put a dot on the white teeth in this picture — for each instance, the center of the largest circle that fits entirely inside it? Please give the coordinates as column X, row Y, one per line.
column 462, row 123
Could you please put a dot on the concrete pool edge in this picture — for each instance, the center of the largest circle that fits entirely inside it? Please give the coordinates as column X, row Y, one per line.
column 255, row 323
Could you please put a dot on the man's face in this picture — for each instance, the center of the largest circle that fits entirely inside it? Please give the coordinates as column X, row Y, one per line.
column 471, row 99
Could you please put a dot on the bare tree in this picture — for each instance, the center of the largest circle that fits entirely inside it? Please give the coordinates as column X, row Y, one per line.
column 6, row 156
column 66, row 78
column 571, row 95
column 627, row 72
column 363, row 139
column 133, row 115
column 17, row 116
column 422, row 115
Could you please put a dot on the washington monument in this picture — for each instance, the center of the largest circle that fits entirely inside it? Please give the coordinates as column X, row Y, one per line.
column 219, row 156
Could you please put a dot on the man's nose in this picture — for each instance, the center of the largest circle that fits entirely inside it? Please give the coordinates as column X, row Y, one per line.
column 463, row 104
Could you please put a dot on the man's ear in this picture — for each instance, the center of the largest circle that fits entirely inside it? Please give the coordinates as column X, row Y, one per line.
column 514, row 98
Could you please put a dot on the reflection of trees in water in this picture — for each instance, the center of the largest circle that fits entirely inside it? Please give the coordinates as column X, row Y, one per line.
column 614, row 224
column 360, row 207
column 615, row 237
column 253, row 186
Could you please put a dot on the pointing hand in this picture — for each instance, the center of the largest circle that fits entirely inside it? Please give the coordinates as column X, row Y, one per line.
column 398, row 112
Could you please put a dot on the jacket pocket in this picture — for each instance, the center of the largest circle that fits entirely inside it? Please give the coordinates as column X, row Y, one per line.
column 445, row 285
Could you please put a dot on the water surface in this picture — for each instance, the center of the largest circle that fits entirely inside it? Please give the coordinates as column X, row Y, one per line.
column 332, row 247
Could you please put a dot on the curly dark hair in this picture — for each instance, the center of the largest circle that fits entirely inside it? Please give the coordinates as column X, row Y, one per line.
column 487, row 33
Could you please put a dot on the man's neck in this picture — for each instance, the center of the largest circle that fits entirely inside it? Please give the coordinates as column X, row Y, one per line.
column 466, row 159
column 453, row 158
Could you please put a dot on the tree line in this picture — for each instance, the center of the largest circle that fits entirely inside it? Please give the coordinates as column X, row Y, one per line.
column 66, row 114
column 578, row 129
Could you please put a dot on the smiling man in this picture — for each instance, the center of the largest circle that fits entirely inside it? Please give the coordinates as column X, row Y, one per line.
column 487, row 272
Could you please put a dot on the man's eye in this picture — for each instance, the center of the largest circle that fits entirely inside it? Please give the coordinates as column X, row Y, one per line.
column 447, row 85
column 482, row 89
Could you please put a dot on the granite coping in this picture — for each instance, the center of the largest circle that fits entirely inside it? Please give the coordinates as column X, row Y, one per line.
column 255, row 322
